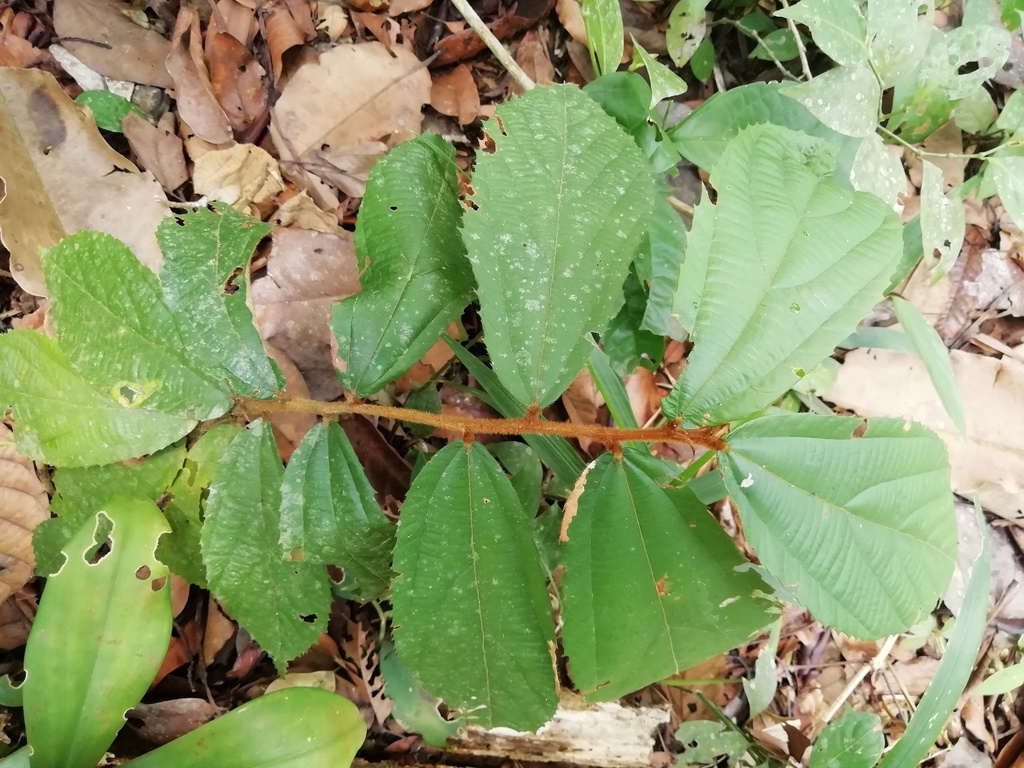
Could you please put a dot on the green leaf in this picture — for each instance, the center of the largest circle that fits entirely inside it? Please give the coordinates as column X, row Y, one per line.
column 702, row 62
column 553, row 450
column 610, row 385
column 81, row 491
column 855, row 740
column 330, row 516
column 108, row 108
column 837, row 26
column 181, row 549
column 205, row 280
column 1003, row 681
column 427, row 399
column 897, row 36
column 559, row 211
column 779, row 43
column 876, row 170
column 704, row 135
column 90, row 427
column 625, row 341
column 776, row 274
column 99, row 637
column 649, row 563
column 602, row 21
column 704, row 741
column 879, row 338
column 760, row 689
column 525, row 473
column 954, row 670
column 11, row 695
column 666, row 240
column 868, row 549
column 471, row 608
column 686, row 28
column 846, row 99
column 976, row 112
column 942, row 222
column 664, row 82
column 626, row 96
column 290, row 728
column 415, row 278
column 415, row 707
column 117, row 332
column 1007, row 173
column 284, row 605
column 933, row 353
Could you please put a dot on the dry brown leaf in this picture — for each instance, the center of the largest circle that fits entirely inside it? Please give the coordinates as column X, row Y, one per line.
column 532, row 55
column 160, row 152
column 300, row 212
column 572, row 503
column 399, row 7
column 289, row 23
column 164, row 721
column 381, row 28
column 307, row 272
column 434, row 360
column 219, row 631
column 59, row 176
column 236, row 20
column 129, row 51
column 571, row 16
column 23, row 505
column 879, row 382
column 15, row 624
column 582, row 401
column 454, row 93
column 338, row 116
column 243, row 176
column 197, row 104
column 237, row 81
column 331, row 20
column 644, row 395
column 290, row 428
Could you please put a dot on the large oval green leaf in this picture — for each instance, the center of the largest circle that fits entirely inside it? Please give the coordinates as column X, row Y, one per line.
column 650, row 585
column 116, row 330
column 284, row 605
column 100, row 635
column 776, row 274
column 414, row 274
column 560, row 208
column 330, row 516
column 854, row 517
column 471, row 609
column 291, row 728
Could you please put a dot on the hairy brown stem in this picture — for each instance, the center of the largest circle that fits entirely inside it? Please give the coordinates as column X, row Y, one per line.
column 707, row 437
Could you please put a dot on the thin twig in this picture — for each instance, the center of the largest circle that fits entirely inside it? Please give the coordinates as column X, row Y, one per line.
column 768, row 51
column 800, row 49
column 948, row 155
column 707, row 437
column 495, row 46
column 871, row 666
column 684, row 208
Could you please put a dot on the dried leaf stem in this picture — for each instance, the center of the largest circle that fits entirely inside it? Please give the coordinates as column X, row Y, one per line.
column 709, row 437
column 495, row 46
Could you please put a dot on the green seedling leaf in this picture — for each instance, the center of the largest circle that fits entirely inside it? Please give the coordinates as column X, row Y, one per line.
column 205, row 280
column 760, row 689
column 90, row 426
column 554, row 451
column 559, row 212
column 626, row 96
column 877, row 338
column 117, row 332
column 646, row 562
column 11, row 695
column 471, row 608
column 330, row 516
column 100, row 635
column 1003, row 681
column 942, row 222
column 610, row 385
column 703, row 136
column 108, row 108
column 686, row 28
column 838, row 27
column 241, row 548
column 933, row 353
column 415, row 707
column 664, row 82
column 525, row 472
column 428, row 399
column 1007, row 173
column 954, row 670
column 855, row 740
column 869, row 549
column 415, row 278
column 846, row 99
column 80, row 491
column 704, row 741
column 779, row 44
column 290, row 728
column 702, row 62
column 602, row 21
column 181, row 550
column 625, row 342
column 776, row 274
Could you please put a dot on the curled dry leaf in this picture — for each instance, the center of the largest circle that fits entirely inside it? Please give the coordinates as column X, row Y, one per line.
column 399, row 7
column 467, row 43
column 237, row 81
column 335, row 118
column 307, row 272
column 160, row 152
column 532, row 55
column 242, row 175
column 164, row 721
column 60, row 176
column 300, row 212
column 454, row 93
column 197, row 103
column 235, row 19
column 571, row 16
column 289, row 23
column 129, row 51
column 23, row 505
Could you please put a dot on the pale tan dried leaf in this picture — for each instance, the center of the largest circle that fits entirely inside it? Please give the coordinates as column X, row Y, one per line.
column 219, row 630
column 532, row 55
column 582, row 400
column 454, row 93
column 197, row 104
column 571, row 16
column 336, row 117
column 307, row 272
column 572, row 504
column 164, row 721
column 644, row 395
column 289, row 23
column 434, row 360
column 134, row 53
column 300, row 212
column 235, row 19
column 23, row 505
column 290, row 428
column 879, row 382
column 331, row 20
column 160, row 152
column 179, row 594
column 60, row 176
column 243, row 176
column 399, row 7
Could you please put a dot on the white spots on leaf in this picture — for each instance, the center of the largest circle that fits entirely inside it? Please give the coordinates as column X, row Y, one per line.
column 747, row 481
